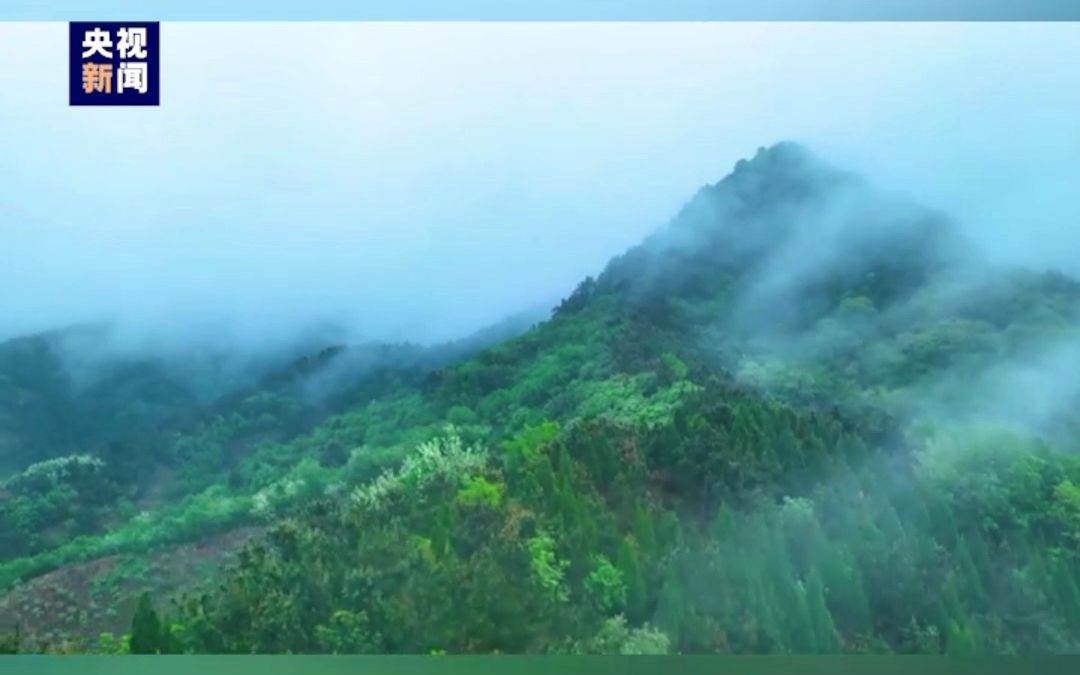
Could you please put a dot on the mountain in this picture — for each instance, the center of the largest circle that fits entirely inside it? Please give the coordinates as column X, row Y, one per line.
column 786, row 422
column 161, row 427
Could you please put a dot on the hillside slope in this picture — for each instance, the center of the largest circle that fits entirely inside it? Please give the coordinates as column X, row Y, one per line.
column 780, row 424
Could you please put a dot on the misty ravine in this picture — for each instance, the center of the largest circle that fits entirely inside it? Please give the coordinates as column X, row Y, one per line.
column 805, row 416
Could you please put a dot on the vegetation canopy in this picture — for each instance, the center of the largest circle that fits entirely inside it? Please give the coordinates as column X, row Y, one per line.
column 804, row 417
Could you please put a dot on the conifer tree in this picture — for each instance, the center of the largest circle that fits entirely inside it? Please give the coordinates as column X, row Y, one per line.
column 643, row 531
column 1067, row 594
column 630, row 565
column 960, row 640
column 971, row 581
column 145, row 628
column 844, row 591
column 826, row 638
column 802, row 634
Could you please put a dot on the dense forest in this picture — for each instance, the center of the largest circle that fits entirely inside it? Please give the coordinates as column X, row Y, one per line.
column 805, row 416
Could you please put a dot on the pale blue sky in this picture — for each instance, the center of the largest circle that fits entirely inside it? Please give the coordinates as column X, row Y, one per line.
column 530, row 10
column 424, row 179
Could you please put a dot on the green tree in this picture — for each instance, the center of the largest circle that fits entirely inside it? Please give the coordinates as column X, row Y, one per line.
column 548, row 571
column 346, row 633
column 10, row 642
column 960, row 639
column 146, row 628
column 826, row 639
column 629, row 565
column 109, row 643
column 605, row 586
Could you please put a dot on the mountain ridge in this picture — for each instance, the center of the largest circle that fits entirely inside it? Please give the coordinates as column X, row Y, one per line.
column 746, row 374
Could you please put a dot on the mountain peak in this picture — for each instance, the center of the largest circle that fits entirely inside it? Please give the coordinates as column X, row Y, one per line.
column 782, row 226
column 780, row 172
column 782, row 153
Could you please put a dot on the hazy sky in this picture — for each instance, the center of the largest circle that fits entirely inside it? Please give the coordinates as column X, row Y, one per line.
column 424, row 179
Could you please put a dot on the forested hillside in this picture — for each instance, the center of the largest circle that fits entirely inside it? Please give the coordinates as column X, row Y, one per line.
column 805, row 416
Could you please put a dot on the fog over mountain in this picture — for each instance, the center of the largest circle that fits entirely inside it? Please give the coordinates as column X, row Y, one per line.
column 804, row 414
column 420, row 181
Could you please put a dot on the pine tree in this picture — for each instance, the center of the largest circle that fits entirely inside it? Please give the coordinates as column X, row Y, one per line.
column 630, row 565
column 942, row 521
column 170, row 643
column 949, row 607
column 971, row 581
column 960, row 640
column 854, row 449
column 671, row 611
column 766, row 613
column 10, row 642
column 1066, row 594
column 801, row 630
column 826, row 638
column 845, row 592
column 145, row 628
column 643, row 531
